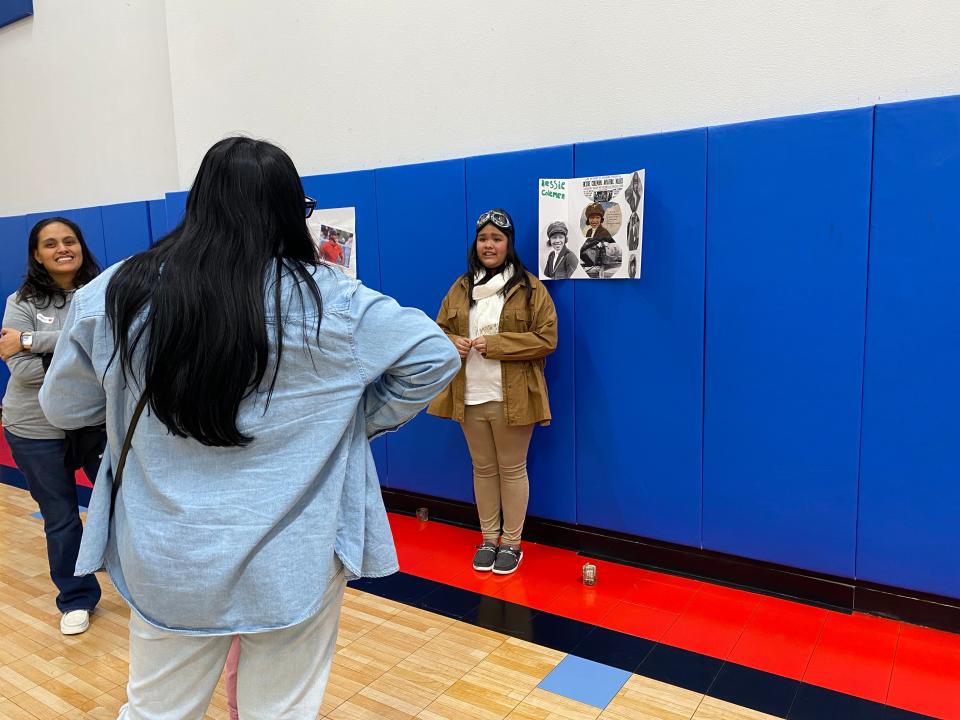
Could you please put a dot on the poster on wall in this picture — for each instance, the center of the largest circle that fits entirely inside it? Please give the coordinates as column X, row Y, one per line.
column 334, row 231
column 592, row 227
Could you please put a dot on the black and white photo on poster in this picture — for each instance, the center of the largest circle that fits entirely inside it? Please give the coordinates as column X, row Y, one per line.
column 334, row 233
column 591, row 228
column 634, row 196
column 561, row 261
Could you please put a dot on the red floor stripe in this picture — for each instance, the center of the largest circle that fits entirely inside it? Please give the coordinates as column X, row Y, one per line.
column 853, row 654
column 926, row 673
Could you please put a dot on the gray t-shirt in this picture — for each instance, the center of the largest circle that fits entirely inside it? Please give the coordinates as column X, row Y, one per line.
column 22, row 415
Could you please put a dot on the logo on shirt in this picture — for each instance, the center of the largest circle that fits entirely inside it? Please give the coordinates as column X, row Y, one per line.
column 44, row 319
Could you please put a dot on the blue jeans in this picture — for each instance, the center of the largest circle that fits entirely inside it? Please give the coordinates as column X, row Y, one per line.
column 54, row 488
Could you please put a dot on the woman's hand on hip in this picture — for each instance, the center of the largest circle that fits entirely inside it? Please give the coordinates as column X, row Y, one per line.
column 9, row 343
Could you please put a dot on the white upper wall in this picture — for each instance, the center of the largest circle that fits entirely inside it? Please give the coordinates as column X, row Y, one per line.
column 350, row 84
column 85, row 109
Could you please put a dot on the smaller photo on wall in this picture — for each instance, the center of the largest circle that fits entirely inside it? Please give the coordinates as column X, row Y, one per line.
column 334, row 233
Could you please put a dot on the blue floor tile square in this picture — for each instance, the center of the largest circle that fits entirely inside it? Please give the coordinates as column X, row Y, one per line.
column 585, row 681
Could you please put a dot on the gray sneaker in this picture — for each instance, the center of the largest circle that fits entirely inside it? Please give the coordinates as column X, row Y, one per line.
column 508, row 559
column 485, row 557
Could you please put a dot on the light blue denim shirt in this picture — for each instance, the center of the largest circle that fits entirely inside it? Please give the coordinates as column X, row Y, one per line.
column 208, row 540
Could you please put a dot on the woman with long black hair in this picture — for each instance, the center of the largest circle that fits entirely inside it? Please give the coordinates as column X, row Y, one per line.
column 58, row 262
column 503, row 323
column 249, row 493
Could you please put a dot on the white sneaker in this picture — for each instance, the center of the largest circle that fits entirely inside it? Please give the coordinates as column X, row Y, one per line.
column 75, row 622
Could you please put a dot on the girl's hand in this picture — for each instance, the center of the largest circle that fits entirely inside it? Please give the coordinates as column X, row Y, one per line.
column 462, row 344
column 9, row 343
column 480, row 345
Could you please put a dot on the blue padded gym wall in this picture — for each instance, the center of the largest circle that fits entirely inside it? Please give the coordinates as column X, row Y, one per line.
column 158, row 219
column 787, row 238
column 13, row 253
column 910, row 462
column 13, row 10
column 421, row 212
column 357, row 190
column 13, row 266
column 716, row 402
column 176, row 206
column 639, row 351
column 126, row 230
column 509, row 180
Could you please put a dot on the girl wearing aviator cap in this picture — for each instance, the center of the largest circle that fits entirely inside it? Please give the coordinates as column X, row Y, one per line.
column 503, row 323
column 562, row 263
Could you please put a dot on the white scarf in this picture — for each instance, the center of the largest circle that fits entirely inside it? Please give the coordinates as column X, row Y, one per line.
column 485, row 315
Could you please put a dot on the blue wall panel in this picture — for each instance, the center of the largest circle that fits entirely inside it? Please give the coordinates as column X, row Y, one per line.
column 13, row 10
column 358, row 190
column 509, row 180
column 422, row 220
column 158, row 219
column 176, row 205
column 639, row 359
column 787, row 237
column 13, row 253
column 126, row 230
column 13, row 266
column 909, row 490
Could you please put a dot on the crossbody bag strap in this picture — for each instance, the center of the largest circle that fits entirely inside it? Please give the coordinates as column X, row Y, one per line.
column 127, row 442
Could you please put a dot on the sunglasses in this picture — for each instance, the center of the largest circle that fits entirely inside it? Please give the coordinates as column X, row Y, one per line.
column 309, row 204
column 496, row 217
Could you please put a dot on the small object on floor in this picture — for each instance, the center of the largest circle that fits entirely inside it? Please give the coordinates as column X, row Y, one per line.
column 508, row 559
column 422, row 514
column 75, row 622
column 589, row 574
column 485, row 556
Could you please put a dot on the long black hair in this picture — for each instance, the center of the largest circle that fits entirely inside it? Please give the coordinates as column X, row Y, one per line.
column 512, row 260
column 202, row 292
column 38, row 285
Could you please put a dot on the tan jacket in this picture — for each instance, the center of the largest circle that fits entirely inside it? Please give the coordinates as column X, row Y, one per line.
column 528, row 333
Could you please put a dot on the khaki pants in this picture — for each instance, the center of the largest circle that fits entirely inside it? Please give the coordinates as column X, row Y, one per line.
column 499, row 454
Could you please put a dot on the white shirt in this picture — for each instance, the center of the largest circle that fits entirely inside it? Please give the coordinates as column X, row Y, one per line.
column 484, row 378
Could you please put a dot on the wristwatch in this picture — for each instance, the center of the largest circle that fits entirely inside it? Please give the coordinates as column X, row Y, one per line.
column 26, row 340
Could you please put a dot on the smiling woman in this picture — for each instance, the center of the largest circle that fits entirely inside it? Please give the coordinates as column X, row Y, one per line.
column 59, row 262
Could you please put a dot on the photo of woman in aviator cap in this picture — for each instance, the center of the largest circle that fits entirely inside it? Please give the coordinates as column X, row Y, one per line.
column 600, row 255
column 562, row 263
